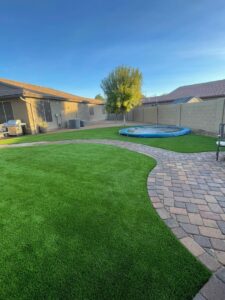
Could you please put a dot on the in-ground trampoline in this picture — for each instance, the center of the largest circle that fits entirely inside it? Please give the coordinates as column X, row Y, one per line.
column 152, row 131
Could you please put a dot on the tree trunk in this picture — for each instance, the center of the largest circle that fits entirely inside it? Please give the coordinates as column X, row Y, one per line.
column 124, row 119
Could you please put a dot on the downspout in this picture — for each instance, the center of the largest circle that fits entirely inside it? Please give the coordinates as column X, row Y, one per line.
column 32, row 113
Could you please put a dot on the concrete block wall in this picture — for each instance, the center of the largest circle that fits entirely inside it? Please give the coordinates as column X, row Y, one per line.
column 206, row 115
column 169, row 114
column 150, row 115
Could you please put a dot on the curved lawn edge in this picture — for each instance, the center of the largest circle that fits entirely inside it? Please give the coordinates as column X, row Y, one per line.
column 190, row 143
column 164, row 215
column 176, row 270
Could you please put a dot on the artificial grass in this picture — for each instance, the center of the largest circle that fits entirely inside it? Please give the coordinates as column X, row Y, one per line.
column 76, row 223
column 186, row 144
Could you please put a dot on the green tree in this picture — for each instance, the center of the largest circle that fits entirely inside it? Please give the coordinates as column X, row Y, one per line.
column 100, row 97
column 122, row 88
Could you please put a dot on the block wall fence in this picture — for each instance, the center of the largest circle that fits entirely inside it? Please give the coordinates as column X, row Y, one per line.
column 206, row 115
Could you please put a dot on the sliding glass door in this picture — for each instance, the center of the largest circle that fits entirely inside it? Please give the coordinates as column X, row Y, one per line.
column 6, row 112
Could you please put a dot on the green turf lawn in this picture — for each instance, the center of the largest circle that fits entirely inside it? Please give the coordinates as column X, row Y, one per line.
column 186, row 143
column 76, row 223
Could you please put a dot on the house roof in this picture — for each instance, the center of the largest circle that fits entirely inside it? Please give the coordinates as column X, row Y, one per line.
column 202, row 90
column 11, row 88
column 182, row 100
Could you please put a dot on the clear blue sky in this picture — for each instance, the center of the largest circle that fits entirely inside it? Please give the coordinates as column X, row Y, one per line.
column 72, row 45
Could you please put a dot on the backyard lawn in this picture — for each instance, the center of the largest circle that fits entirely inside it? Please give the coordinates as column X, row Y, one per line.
column 186, row 143
column 76, row 223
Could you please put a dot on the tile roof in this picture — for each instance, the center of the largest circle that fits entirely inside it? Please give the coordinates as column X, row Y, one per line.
column 26, row 89
column 202, row 90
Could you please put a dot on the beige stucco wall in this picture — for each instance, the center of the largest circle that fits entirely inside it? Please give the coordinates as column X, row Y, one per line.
column 169, row 114
column 223, row 120
column 138, row 114
column 62, row 112
column 205, row 115
column 99, row 113
column 83, row 112
column 19, row 110
column 150, row 114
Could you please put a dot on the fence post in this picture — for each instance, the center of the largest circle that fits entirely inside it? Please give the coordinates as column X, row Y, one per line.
column 180, row 115
column 157, row 115
column 223, row 111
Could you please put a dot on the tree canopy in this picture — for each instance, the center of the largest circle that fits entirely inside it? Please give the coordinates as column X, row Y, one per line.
column 99, row 97
column 122, row 88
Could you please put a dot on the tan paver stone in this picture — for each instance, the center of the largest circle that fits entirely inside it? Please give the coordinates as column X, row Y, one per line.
column 209, row 215
column 192, row 246
column 221, row 257
column 198, row 201
column 210, row 223
column 218, row 244
column 211, row 232
column 157, row 205
column 195, row 219
column 215, row 208
column 182, row 219
column 203, row 207
column 182, row 199
column 155, row 199
column 169, row 201
column 210, row 262
column 177, row 210
column 163, row 213
column 210, row 198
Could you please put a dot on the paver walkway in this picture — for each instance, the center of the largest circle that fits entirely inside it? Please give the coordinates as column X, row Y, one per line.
column 188, row 193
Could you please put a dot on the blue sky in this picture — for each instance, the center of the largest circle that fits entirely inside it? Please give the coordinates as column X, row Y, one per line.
column 72, row 45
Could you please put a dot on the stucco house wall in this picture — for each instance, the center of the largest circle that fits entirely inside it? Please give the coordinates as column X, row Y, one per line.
column 19, row 108
column 97, row 112
column 45, row 107
column 62, row 112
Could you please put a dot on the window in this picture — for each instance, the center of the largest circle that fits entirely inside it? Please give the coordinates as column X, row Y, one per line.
column 6, row 112
column 48, row 112
column 44, row 110
column 2, row 114
column 91, row 110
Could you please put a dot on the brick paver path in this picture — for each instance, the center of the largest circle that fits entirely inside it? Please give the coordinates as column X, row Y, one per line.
column 188, row 193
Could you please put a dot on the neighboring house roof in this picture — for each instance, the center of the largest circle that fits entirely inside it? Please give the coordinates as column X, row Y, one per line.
column 11, row 88
column 201, row 90
column 187, row 99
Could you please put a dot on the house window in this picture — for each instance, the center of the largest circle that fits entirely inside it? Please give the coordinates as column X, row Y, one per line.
column 2, row 114
column 6, row 112
column 48, row 112
column 91, row 110
column 44, row 110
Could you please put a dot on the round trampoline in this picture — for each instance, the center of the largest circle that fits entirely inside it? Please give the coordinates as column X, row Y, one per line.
column 152, row 131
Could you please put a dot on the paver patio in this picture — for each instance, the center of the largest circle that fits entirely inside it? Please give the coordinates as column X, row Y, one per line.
column 188, row 193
